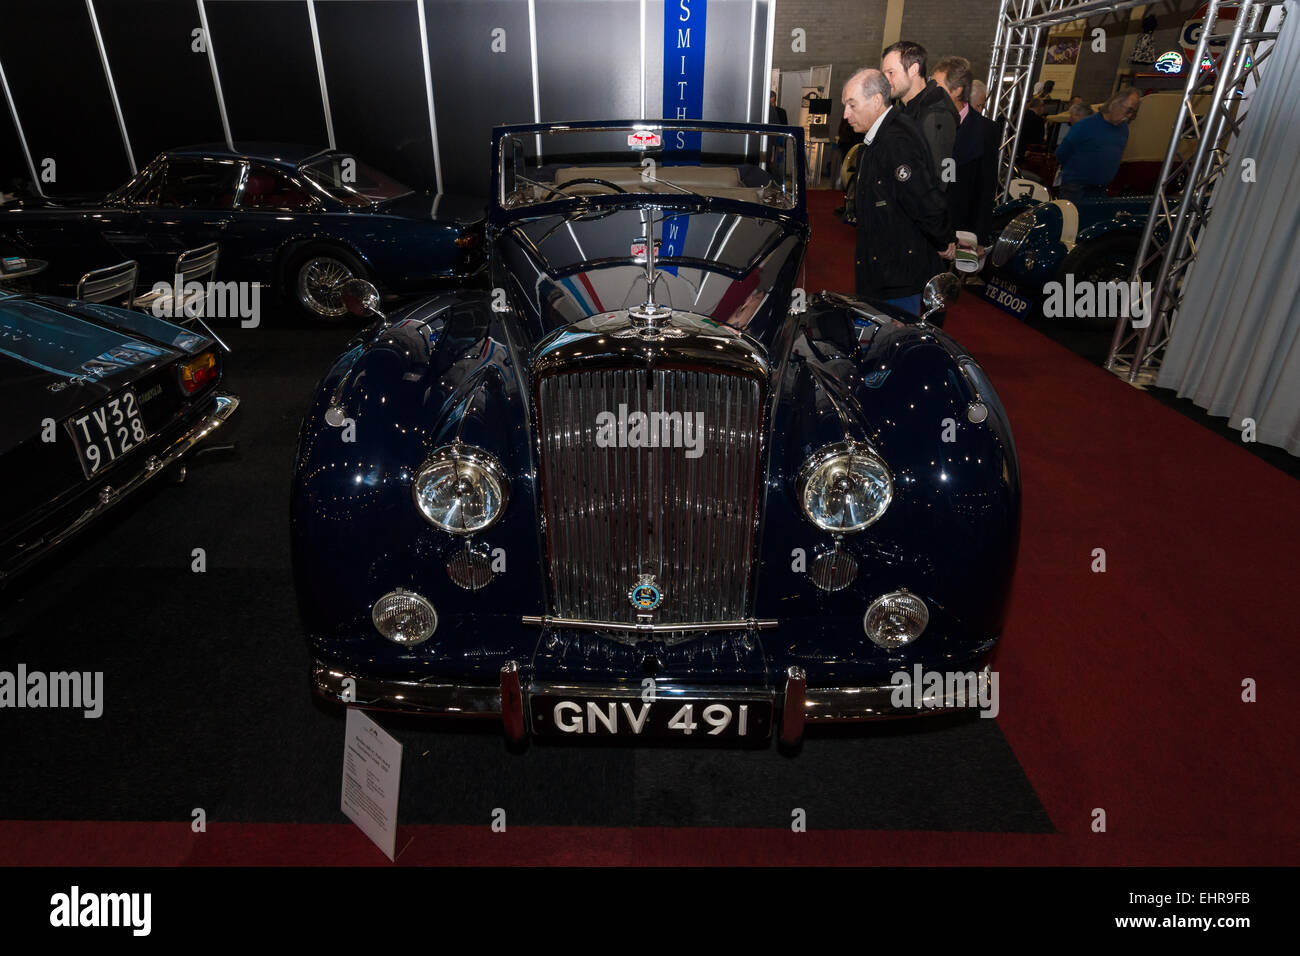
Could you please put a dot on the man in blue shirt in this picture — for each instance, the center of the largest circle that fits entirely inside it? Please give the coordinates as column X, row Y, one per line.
column 1091, row 151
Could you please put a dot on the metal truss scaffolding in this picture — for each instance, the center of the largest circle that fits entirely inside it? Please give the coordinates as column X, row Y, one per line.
column 1181, row 205
column 1198, row 153
column 1011, row 73
column 1023, row 25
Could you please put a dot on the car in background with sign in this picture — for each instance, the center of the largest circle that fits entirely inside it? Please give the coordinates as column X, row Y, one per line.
column 645, row 486
column 99, row 401
column 1093, row 240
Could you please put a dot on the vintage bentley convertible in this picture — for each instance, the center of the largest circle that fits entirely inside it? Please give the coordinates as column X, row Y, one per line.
column 644, row 485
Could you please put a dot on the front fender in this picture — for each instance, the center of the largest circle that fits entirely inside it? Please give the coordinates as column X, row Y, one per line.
column 952, row 530
column 444, row 371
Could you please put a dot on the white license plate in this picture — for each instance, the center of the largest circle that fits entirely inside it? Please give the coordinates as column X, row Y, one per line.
column 104, row 434
column 666, row 716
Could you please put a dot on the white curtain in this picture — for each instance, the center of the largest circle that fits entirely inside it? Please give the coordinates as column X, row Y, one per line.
column 1235, row 347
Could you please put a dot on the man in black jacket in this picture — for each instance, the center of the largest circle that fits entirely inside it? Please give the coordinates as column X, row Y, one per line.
column 903, row 230
column 975, row 153
column 926, row 103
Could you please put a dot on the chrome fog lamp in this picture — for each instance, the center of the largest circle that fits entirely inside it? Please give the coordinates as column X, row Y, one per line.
column 895, row 619
column 404, row 617
column 843, row 487
column 470, row 570
column 833, row 570
column 461, row 489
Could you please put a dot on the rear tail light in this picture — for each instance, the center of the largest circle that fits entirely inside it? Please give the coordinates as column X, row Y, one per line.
column 199, row 372
column 468, row 240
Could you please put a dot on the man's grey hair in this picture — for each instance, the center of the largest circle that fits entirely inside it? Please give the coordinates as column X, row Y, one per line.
column 1120, row 96
column 978, row 91
column 872, row 83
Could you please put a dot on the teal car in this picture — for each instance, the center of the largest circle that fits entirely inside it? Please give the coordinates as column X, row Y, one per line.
column 1093, row 240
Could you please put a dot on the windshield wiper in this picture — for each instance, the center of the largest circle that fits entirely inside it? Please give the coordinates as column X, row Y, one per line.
column 689, row 192
column 549, row 189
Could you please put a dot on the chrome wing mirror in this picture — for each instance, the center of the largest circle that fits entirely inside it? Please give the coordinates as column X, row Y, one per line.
column 361, row 298
column 939, row 293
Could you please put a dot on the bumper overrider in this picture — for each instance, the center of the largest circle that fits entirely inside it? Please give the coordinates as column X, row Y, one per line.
column 223, row 406
column 793, row 706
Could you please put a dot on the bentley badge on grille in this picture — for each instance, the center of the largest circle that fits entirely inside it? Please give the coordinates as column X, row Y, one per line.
column 646, row 596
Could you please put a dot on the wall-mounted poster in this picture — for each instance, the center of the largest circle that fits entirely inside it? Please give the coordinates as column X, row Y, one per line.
column 1061, row 58
column 1061, row 51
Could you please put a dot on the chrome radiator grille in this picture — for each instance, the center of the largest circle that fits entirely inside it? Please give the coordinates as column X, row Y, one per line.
column 1013, row 236
column 616, row 513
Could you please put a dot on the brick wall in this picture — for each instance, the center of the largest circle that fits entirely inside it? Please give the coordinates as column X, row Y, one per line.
column 947, row 28
column 844, row 33
column 1094, row 79
column 848, row 34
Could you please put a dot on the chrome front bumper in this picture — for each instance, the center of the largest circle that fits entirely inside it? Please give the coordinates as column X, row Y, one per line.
column 797, row 704
column 224, row 406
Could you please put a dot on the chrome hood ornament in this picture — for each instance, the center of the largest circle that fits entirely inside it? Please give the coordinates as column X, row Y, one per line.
column 650, row 319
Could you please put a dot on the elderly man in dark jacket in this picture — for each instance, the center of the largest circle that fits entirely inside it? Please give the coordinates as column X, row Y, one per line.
column 903, row 230
column 903, row 65
column 974, row 153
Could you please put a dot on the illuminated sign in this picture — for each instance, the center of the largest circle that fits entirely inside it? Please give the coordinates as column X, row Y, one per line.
column 1171, row 62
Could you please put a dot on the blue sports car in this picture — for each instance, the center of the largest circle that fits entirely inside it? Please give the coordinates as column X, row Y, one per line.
column 300, row 220
column 100, row 401
column 645, row 485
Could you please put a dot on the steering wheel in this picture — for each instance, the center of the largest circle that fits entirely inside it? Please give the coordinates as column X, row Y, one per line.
column 598, row 182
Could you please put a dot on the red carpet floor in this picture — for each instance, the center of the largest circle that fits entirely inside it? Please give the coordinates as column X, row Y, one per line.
column 1120, row 691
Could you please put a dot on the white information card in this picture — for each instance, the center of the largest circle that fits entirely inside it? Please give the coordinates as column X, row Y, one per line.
column 372, row 777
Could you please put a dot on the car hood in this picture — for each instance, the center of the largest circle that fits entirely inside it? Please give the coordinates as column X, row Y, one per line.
column 57, row 356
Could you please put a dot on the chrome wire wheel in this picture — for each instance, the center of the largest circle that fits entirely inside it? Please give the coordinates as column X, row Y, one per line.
column 319, row 280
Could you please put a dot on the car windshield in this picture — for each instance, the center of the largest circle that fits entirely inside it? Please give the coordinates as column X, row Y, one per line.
column 573, row 163
column 351, row 181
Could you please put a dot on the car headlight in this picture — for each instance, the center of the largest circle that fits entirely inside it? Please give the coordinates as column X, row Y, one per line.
column 843, row 487
column 1012, row 238
column 461, row 489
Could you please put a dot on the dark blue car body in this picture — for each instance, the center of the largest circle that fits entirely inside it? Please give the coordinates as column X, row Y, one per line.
column 1093, row 239
column 186, row 198
column 61, row 362
column 478, row 368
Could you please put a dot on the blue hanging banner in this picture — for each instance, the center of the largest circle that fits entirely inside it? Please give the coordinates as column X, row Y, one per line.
column 673, row 239
column 685, row 29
